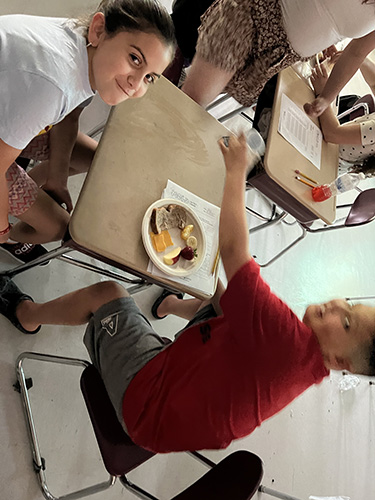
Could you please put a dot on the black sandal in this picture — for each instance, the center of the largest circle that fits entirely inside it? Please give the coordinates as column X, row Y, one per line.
column 10, row 297
column 160, row 299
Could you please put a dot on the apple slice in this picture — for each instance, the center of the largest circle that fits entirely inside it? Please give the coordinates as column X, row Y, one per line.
column 172, row 257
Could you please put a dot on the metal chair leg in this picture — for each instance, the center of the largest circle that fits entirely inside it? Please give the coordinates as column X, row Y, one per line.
column 263, row 217
column 61, row 254
column 269, row 222
column 218, row 101
column 282, row 252
column 52, row 254
column 231, row 114
column 202, row 459
column 38, row 460
column 139, row 283
column 136, row 490
column 277, row 494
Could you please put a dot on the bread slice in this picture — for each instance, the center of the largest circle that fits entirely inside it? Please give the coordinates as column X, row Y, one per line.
column 167, row 217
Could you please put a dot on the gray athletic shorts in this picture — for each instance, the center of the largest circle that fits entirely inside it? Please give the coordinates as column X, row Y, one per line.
column 120, row 341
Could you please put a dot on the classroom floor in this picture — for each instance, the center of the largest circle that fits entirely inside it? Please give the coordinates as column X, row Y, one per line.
column 322, row 444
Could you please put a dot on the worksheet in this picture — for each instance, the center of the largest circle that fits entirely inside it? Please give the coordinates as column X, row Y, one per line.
column 301, row 132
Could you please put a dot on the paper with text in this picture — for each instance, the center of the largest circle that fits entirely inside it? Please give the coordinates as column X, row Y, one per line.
column 203, row 281
column 297, row 128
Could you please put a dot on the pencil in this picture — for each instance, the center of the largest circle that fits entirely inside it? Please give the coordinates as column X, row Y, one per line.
column 305, row 176
column 216, row 261
column 305, row 182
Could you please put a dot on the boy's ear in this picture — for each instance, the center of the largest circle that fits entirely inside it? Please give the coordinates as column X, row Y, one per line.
column 96, row 29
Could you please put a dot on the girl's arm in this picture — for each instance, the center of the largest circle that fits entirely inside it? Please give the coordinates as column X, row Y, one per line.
column 7, row 156
column 233, row 230
column 333, row 131
column 368, row 71
column 63, row 137
column 348, row 63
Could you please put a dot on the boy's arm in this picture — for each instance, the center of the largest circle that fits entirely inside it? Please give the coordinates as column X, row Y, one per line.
column 233, row 231
column 63, row 137
column 348, row 63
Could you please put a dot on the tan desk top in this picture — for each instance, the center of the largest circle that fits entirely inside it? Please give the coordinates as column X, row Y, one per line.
column 282, row 159
column 164, row 135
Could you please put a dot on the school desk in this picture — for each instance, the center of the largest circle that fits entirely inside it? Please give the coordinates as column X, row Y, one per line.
column 281, row 160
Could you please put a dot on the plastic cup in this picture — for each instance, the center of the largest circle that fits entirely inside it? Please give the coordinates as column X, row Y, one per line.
column 255, row 141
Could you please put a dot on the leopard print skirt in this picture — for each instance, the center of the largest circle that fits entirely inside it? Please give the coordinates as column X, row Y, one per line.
column 247, row 37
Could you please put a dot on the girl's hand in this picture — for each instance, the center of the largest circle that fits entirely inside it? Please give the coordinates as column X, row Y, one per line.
column 238, row 156
column 317, row 107
column 319, row 77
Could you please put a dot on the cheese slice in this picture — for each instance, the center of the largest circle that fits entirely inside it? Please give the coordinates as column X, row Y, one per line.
column 161, row 241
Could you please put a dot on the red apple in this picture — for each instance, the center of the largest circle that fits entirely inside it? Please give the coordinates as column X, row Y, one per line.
column 172, row 257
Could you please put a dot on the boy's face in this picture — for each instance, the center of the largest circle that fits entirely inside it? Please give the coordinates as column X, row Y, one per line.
column 340, row 328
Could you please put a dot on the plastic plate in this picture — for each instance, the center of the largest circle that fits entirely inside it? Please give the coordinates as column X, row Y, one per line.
column 182, row 267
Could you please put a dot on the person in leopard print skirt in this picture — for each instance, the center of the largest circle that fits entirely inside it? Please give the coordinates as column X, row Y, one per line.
column 236, row 46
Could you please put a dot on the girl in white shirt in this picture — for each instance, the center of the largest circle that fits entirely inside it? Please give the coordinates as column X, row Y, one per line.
column 48, row 67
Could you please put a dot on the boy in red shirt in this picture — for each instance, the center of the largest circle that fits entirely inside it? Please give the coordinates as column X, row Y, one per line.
column 242, row 358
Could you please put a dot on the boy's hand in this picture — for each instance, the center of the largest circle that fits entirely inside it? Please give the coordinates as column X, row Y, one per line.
column 238, row 156
column 319, row 77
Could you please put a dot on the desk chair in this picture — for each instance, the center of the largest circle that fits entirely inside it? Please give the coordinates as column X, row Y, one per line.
column 236, row 477
column 239, row 110
column 362, row 106
column 361, row 211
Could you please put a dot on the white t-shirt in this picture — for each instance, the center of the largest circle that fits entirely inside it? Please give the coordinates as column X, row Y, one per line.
column 314, row 25
column 355, row 152
column 43, row 75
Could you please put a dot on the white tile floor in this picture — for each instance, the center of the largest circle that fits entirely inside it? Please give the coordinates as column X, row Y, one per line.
column 322, row 444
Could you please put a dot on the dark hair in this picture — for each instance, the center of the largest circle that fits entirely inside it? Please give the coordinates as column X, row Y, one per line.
column 367, row 167
column 148, row 16
column 363, row 359
column 371, row 357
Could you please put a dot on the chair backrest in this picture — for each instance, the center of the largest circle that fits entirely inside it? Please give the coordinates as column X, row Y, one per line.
column 363, row 209
column 351, row 108
column 368, row 103
column 120, row 455
column 236, row 477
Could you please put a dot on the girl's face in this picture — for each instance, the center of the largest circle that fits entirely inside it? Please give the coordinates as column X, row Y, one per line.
column 124, row 66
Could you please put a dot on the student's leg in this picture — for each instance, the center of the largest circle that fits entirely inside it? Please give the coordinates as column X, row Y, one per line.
column 75, row 308
column 187, row 308
column 82, row 156
column 43, row 222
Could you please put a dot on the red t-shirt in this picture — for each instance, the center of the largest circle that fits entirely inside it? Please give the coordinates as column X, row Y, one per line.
column 220, row 379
